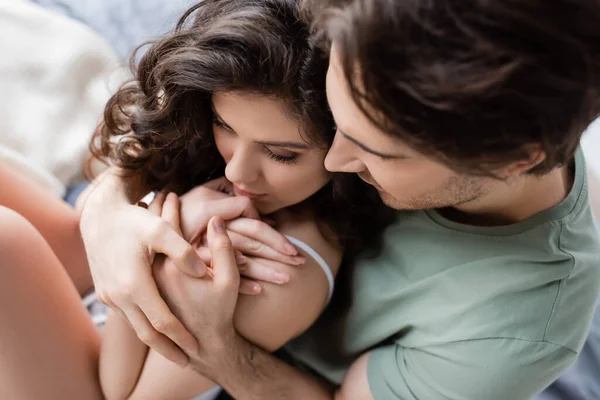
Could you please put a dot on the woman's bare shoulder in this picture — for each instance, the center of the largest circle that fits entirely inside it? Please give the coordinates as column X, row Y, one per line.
column 305, row 228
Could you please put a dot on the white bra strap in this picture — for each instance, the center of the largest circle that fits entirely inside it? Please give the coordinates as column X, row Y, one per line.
column 317, row 257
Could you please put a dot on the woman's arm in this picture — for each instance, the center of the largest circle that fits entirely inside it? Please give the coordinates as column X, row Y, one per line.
column 121, row 358
column 269, row 320
column 54, row 219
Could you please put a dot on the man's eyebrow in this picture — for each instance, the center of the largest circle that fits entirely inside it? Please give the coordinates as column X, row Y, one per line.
column 291, row 145
column 369, row 150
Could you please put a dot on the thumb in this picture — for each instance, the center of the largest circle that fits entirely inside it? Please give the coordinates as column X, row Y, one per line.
column 170, row 212
column 168, row 242
column 223, row 257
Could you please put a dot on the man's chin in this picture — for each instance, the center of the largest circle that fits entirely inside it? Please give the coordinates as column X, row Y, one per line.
column 392, row 202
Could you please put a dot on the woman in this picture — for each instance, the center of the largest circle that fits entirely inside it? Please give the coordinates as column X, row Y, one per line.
column 236, row 91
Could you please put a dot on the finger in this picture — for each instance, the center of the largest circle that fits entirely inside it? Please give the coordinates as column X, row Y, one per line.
column 167, row 241
column 153, row 339
column 204, row 254
column 162, row 319
column 263, row 271
column 170, row 212
column 227, row 208
column 233, row 207
column 220, row 184
column 249, row 287
column 156, row 205
column 255, row 248
column 225, row 268
column 262, row 232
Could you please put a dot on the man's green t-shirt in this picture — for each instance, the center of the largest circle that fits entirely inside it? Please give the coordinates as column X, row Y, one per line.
column 452, row 311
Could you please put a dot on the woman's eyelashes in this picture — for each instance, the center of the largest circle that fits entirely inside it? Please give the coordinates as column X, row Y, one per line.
column 287, row 159
column 292, row 159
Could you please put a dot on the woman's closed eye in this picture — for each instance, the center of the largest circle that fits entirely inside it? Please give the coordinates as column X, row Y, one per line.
column 292, row 158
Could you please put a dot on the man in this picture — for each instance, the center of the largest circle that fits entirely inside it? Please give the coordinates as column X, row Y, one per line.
column 467, row 115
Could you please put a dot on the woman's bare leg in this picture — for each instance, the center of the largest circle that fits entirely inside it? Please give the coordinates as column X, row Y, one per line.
column 48, row 346
column 56, row 221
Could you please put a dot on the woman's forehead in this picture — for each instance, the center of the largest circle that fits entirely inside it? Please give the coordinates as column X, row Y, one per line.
column 260, row 118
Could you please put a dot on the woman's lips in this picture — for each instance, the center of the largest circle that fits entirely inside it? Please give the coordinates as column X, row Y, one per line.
column 240, row 192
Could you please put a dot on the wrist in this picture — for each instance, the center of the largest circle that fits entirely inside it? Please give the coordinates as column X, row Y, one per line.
column 217, row 359
column 105, row 192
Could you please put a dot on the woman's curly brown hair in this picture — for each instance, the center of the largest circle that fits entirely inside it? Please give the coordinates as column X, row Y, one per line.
column 158, row 126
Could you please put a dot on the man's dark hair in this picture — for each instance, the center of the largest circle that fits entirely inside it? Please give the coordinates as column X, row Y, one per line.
column 473, row 83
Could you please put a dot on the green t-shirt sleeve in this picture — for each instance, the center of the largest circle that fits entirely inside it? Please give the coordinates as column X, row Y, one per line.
column 490, row 369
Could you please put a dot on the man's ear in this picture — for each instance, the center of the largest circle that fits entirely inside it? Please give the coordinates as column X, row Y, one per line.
column 516, row 168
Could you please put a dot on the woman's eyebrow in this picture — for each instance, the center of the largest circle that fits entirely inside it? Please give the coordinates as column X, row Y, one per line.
column 292, row 145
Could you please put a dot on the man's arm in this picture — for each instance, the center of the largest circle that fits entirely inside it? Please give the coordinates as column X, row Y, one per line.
column 109, row 208
column 244, row 370
column 249, row 373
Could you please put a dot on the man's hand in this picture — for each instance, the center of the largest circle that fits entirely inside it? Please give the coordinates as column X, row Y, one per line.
column 214, row 296
column 120, row 241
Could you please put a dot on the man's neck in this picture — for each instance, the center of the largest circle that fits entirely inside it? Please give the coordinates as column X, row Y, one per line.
column 515, row 201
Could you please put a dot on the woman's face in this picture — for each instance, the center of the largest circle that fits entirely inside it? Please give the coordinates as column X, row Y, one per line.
column 267, row 158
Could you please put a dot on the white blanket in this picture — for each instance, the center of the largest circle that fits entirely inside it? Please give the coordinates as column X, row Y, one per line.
column 55, row 78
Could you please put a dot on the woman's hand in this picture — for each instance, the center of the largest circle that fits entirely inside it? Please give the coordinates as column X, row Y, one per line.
column 264, row 248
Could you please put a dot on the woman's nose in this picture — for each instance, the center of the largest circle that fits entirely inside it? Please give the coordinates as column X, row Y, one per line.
column 242, row 167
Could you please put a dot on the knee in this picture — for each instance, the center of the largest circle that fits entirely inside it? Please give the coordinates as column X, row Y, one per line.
column 18, row 237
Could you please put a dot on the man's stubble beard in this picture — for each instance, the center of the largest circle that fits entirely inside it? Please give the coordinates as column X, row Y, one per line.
column 455, row 191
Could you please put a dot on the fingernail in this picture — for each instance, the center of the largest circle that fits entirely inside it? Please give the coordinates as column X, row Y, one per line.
column 256, row 288
column 218, row 224
column 299, row 260
column 290, row 249
column 281, row 277
column 182, row 363
column 240, row 259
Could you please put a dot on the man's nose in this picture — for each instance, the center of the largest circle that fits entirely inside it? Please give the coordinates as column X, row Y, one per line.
column 342, row 158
